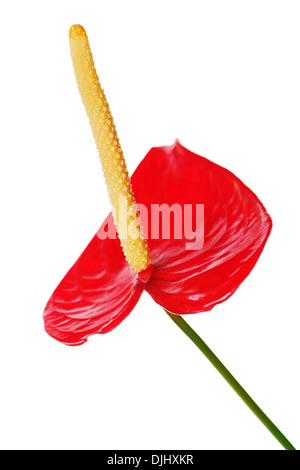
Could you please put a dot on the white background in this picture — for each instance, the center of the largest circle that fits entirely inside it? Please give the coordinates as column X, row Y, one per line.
column 223, row 77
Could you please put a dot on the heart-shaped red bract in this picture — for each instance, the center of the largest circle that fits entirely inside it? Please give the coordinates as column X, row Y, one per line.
column 100, row 290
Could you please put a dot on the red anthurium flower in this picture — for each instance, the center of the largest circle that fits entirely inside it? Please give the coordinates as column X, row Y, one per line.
column 194, row 236
column 100, row 290
column 213, row 229
column 182, row 275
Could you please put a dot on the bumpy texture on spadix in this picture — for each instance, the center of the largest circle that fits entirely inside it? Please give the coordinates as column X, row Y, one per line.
column 100, row 290
column 118, row 183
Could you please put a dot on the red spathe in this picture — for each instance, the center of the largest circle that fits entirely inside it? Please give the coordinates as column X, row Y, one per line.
column 100, row 290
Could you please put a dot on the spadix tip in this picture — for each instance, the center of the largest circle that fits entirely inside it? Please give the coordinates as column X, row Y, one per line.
column 76, row 30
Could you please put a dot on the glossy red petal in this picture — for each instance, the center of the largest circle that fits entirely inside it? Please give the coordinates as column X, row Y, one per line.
column 98, row 292
column 236, row 227
column 100, row 289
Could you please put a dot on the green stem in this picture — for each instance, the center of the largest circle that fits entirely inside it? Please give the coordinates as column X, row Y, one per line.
column 185, row 327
